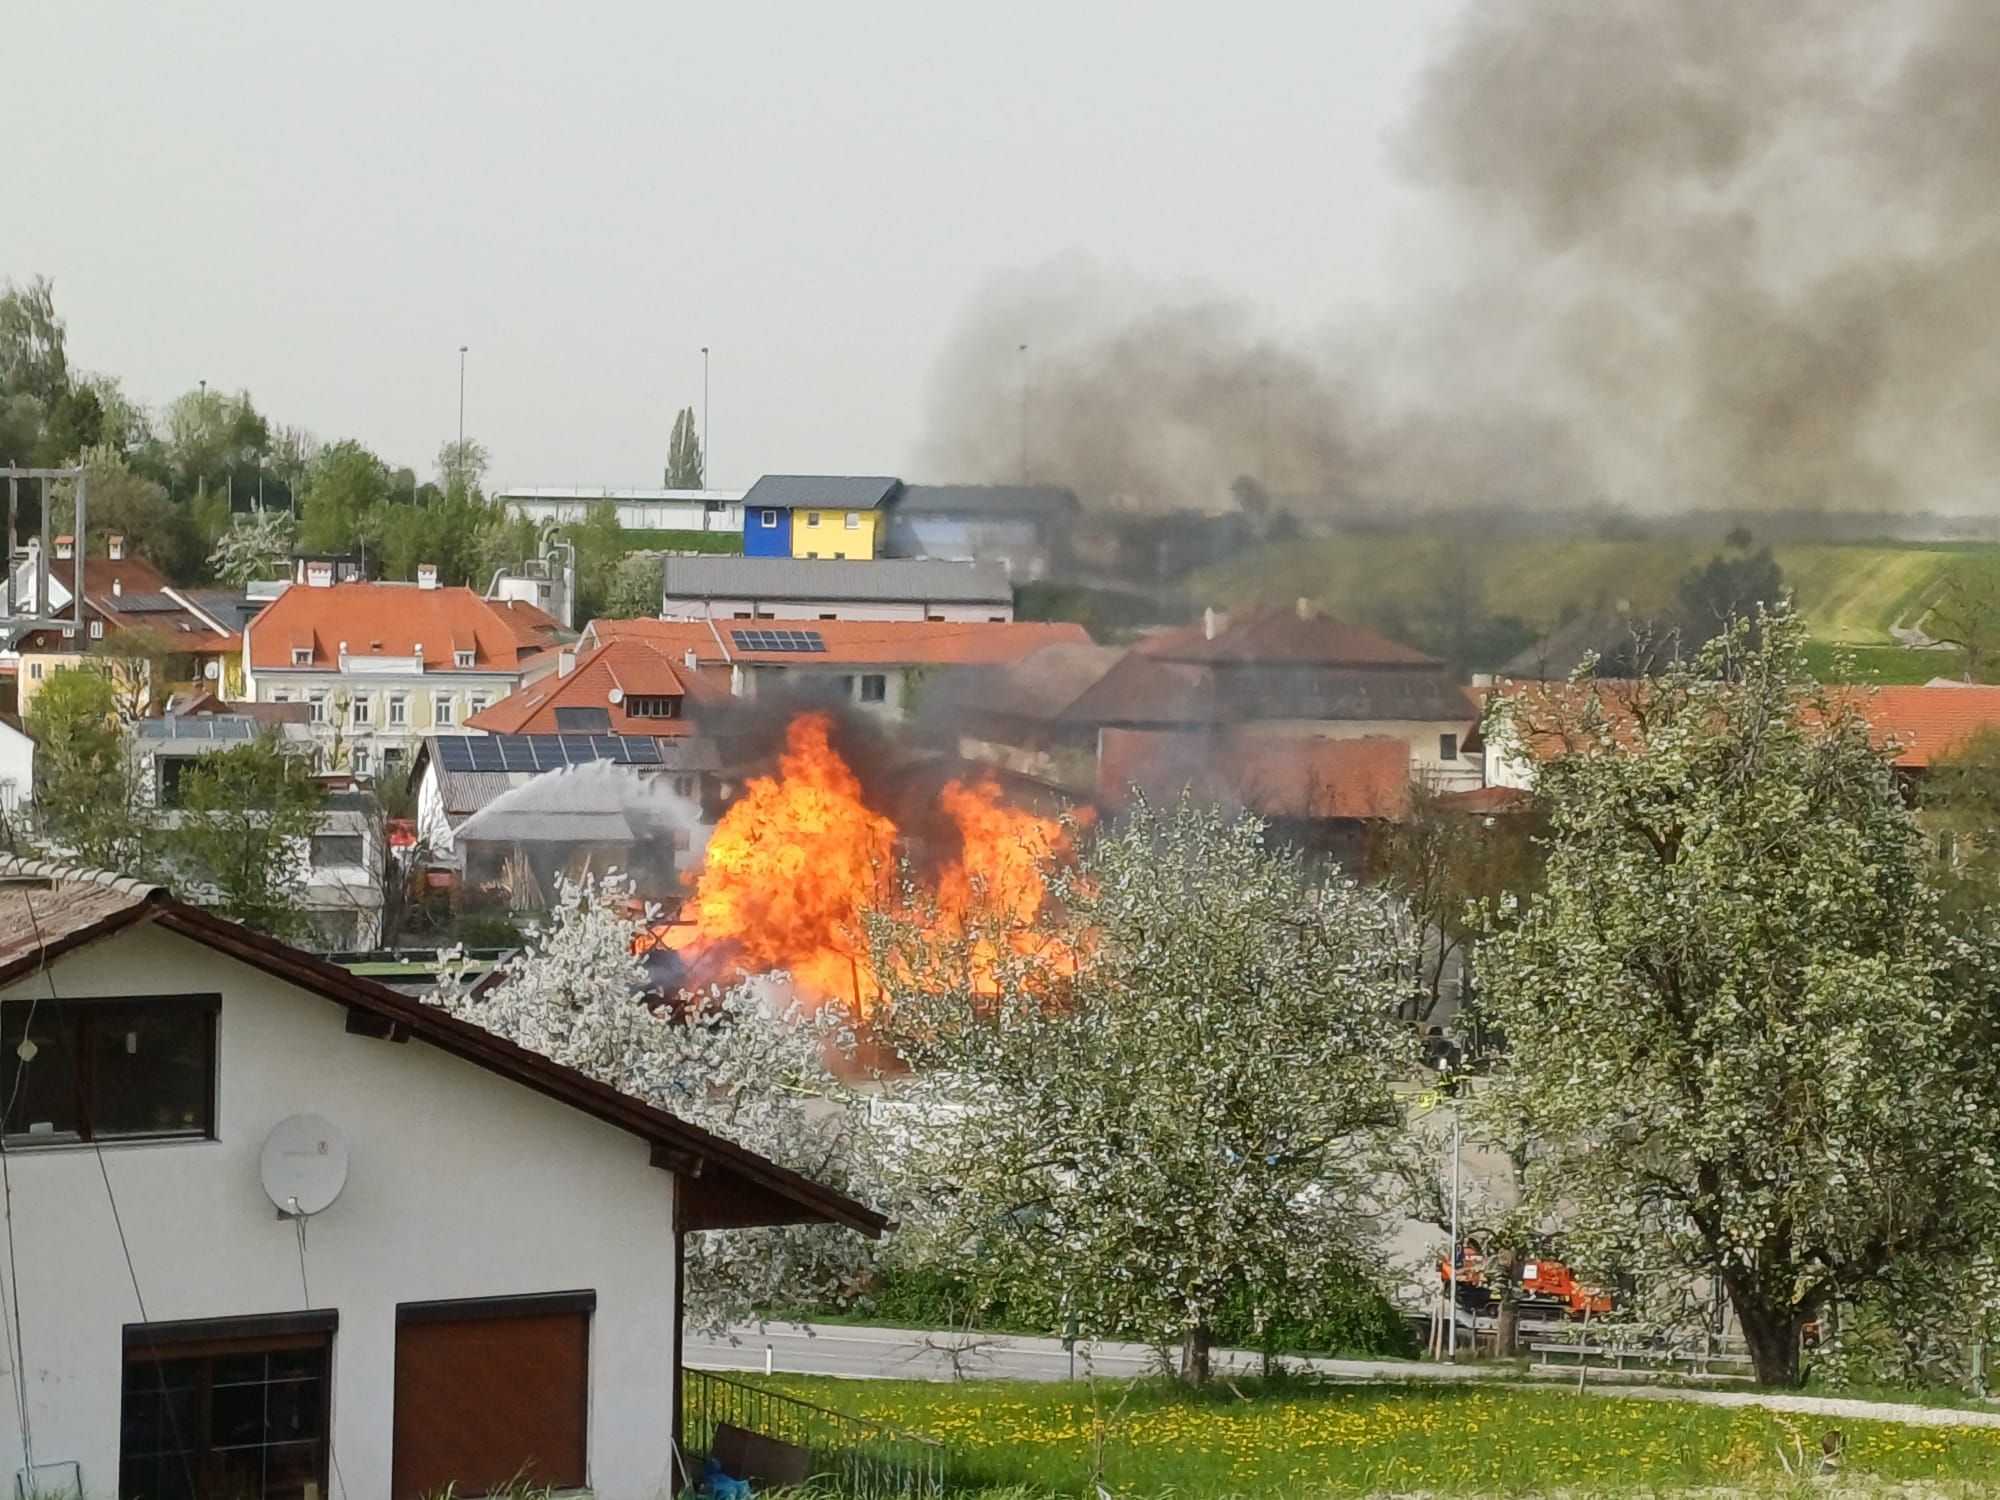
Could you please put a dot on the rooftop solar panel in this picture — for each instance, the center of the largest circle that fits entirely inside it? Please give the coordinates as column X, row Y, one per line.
column 542, row 752
column 778, row 640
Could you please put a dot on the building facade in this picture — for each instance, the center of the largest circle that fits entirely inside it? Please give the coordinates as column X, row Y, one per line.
column 636, row 509
column 759, row 588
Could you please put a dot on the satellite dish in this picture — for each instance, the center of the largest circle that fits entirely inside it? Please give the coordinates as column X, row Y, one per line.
column 211, row 670
column 304, row 1165
column 616, row 695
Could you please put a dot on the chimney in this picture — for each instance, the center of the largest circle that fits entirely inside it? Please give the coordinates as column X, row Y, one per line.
column 1208, row 623
column 65, row 548
column 736, row 681
column 1305, row 608
column 691, row 659
column 319, row 575
column 115, row 545
column 565, row 661
column 117, row 585
column 427, row 575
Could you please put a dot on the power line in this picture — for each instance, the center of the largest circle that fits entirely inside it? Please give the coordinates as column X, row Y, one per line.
column 305, row 1290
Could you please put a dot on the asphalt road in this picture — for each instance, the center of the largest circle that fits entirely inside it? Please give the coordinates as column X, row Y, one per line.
column 909, row 1354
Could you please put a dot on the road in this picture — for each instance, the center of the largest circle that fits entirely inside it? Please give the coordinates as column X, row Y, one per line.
column 908, row 1354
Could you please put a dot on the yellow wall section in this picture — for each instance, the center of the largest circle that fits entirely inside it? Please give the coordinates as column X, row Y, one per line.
column 830, row 536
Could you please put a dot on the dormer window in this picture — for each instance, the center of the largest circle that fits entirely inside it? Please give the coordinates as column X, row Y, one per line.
column 302, row 656
column 652, row 706
column 461, row 658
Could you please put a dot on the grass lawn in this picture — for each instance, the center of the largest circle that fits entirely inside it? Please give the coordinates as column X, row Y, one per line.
column 1848, row 592
column 1153, row 1439
column 638, row 539
column 1881, row 664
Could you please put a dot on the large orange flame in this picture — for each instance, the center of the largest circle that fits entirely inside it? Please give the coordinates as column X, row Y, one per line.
column 797, row 862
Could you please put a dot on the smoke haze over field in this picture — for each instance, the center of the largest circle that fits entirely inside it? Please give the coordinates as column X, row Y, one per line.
column 1701, row 255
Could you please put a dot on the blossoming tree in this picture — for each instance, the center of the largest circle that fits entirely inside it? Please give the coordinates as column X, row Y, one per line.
column 1159, row 1098
column 746, row 1063
column 1743, row 1046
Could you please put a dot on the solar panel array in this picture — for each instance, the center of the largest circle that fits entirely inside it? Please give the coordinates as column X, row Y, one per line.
column 196, row 727
column 778, row 640
column 141, row 604
column 541, row 752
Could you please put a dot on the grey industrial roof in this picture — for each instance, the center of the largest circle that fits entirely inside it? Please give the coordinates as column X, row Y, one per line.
column 919, row 580
column 831, row 491
column 986, row 499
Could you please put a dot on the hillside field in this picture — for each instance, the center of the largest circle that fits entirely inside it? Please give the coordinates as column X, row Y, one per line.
column 1850, row 594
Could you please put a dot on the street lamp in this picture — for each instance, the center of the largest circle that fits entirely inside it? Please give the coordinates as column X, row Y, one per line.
column 461, row 404
column 1024, row 413
column 704, row 416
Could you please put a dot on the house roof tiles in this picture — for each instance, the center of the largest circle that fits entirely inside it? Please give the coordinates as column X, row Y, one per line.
column 896, row 580
column 1294, row 777
column 630, row 666
column 388, row 619
column 850, row 642
column 823, row 491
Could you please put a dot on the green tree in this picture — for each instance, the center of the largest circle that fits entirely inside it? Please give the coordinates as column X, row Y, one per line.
column 1150, row 1104
column 1725, row 589
column 238, row 842
column 686, row 466
column 88, row 804
column 258, row 546
column 461, row 466
column 347, row 491
column 635, row 591
column 600, row 547
column 1742, row 1043
column 118, row 502
column 34, row 358
column 1966, row 614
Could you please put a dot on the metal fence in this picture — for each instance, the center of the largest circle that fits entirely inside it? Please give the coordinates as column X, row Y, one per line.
column 852, row 1455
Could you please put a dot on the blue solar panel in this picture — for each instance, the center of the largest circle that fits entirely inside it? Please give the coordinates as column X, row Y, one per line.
column 778, row 640
column 541, row 752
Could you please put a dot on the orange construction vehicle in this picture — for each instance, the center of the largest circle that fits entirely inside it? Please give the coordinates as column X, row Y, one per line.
column 1545, row 1284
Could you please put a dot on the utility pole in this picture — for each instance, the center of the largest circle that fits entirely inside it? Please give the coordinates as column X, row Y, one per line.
column 461, row 406
column 1024, row 413
column 704, row 416
column 1451, row 1308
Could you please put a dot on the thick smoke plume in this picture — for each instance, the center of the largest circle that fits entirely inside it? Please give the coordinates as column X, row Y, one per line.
column 1707, row 254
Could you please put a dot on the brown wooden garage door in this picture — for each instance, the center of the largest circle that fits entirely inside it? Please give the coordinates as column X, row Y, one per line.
column 490, row 1390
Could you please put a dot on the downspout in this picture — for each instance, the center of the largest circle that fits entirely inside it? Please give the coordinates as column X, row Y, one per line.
column 684, row 1478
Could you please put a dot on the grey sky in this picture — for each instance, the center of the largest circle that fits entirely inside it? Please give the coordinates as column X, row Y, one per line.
column 321, row 203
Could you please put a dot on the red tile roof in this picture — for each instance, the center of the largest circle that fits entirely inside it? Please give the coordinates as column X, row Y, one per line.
column 1275, row 776
column 389, row 619
column 1930, row 722
column 632, row 666
column 1281, row 637
column 852, row 642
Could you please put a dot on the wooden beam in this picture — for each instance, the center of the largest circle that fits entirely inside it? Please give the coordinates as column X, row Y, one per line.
column 381, row 1028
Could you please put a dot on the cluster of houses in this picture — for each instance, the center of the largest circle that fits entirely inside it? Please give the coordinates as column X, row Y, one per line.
column 471, row 702
column 317, row 1275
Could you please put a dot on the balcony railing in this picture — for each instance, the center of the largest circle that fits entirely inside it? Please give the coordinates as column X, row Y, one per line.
column 853, row 1455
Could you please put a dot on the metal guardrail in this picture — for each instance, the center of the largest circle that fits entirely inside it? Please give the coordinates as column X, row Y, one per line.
column 853, row 1455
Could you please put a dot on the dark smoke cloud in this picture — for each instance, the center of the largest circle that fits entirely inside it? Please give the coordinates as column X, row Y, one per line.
column 1709, row 253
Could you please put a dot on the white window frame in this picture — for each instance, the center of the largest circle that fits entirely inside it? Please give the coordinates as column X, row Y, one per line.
column 361, row 711
column 302, row 656
column 861, row 687
column 854, row 520
column 444, row 710
column 464, row 658
column 358, row 759
column 768, row 519
column 316, row 707
column 812, row 518
column 399, row 710
column 478, row 705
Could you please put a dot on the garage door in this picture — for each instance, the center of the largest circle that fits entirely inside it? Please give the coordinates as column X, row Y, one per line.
column 492, row 1390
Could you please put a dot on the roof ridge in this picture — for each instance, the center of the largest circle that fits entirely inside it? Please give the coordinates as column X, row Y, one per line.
column 18, row 867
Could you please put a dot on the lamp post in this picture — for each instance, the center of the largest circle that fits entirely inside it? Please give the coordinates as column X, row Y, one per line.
column 704, row 416
column 1024, row 413
column 461, row 404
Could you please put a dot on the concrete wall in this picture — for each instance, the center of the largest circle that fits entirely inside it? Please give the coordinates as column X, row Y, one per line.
column 829, row 609
column 819, row 532
column 767, row 532
column 461, row 1184
column 636, row 512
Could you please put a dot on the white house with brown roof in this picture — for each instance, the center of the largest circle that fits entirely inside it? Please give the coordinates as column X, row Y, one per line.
column 493, row 1290
column 380, row 665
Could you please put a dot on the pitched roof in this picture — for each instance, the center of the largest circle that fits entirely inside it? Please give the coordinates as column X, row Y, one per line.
column 48, row 910
column 1145, row 689
column 630, row 666
column 1281, row 637
column 1312, row 778
column 825, row 491
column 872, row 643
column 986, row 499
column 1039, row 686
column 392, row 619
column 1929, row 723
column 915, row 580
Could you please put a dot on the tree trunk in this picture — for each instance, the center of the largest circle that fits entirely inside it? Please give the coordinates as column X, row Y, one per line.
column 1194, row 1354
column 1771, row 1334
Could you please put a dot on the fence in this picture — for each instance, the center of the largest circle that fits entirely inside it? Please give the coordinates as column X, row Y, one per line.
column 850, row 1454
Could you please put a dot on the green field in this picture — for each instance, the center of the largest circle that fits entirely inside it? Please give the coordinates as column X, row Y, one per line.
column 1240, row 1439
column 1850, row 594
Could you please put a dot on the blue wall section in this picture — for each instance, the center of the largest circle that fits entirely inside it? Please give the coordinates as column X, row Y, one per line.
column 760, row 540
